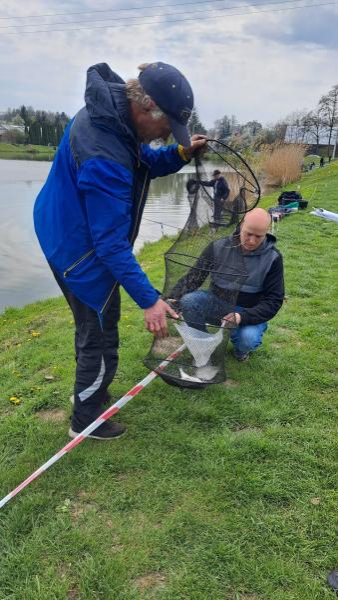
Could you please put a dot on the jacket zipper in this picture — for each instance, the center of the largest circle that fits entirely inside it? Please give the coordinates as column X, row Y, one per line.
column 135, row 226
column 77, row 262
column 139, row 205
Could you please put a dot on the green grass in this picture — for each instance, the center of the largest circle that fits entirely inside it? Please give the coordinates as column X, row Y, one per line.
column 26, row 152
column 229, row 493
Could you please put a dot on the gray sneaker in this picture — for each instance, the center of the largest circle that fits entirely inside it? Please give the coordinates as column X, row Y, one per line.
column 241, row 357
column 107, row 431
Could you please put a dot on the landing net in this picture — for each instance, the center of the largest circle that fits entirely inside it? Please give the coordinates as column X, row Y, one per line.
column 205, row 269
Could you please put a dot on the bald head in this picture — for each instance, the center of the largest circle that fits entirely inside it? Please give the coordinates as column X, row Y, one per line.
column 254, row 228
column 258, row 217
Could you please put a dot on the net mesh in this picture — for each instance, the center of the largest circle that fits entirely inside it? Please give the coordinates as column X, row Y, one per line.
column 205, row 270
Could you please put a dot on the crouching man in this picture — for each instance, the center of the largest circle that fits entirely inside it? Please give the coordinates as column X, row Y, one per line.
column 259, row 298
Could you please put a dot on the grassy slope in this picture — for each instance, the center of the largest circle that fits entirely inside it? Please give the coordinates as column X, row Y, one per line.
column 25, row 152
column 228, row 493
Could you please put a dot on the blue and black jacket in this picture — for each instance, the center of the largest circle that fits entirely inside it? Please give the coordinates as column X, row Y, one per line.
column 88, row 213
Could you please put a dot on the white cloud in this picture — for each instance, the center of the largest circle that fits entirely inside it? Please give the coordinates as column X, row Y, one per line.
column 236, row 65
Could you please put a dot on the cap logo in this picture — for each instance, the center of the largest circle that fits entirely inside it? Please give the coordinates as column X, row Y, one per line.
column 185, row 113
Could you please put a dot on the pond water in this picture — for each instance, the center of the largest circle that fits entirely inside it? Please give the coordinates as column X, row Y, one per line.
column 24, row 274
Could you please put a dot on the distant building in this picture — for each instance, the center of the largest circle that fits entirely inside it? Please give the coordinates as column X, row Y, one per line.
column 299, row 134
column 8, row 131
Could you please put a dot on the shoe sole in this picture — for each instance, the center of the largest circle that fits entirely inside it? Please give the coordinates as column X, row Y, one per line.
column 73, row 434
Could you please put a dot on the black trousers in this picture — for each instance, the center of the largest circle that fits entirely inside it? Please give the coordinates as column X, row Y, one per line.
column 96, row 354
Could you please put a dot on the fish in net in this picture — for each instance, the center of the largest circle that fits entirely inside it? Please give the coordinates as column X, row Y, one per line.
column 205, row 270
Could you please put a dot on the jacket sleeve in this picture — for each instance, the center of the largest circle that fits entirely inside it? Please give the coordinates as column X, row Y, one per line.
column 210, row 183
column 107, row 189
column 272, row 298
column 196, row 276
column 162, row 161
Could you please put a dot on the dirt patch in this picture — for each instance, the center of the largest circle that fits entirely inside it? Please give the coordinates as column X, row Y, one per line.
column 73, row 594
column 237, row 596
column 150, row 582
column 77, row 510
column 121, row 477
column 230, row 383
column 83, row 495
column 55, row 415
column 82, row 505
column 166, row 346
column 245, row 429
column 283, row 330
column 63, row 571
column 116, row 548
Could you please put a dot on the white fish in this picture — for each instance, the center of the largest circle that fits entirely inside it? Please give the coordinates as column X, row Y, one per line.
column 187, row 377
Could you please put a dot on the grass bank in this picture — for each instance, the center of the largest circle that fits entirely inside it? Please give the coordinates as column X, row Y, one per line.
column 26, row 152
column 229, row 493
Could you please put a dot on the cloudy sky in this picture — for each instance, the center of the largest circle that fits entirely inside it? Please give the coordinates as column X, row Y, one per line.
column 256, row 60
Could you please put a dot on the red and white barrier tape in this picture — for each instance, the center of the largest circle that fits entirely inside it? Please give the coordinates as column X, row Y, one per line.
column 84, row 434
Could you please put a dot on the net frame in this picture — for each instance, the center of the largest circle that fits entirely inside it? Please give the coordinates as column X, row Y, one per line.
column 254, row 188
column 195, row 237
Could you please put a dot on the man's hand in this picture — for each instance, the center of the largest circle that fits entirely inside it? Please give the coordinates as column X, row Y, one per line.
column 155, row 318
column 231, row 319
column 198, row 146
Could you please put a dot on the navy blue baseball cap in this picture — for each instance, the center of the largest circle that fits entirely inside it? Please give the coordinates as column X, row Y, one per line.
column 172, row 93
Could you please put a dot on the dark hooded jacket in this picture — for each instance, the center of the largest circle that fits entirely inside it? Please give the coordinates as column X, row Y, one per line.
column 88, row 213
column 256, row 277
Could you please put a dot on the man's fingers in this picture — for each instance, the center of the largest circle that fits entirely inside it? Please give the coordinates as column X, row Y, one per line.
column 172, row 313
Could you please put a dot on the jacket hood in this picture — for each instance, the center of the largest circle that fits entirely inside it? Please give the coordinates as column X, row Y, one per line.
column 106, row 100
column 265, row 246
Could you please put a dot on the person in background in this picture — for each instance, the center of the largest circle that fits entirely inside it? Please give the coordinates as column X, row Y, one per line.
column 221, row 192
column 88, row 214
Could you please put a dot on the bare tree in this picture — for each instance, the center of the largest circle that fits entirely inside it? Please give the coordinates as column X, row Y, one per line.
column 314, row 127
column 297, row 131
column 328, row 108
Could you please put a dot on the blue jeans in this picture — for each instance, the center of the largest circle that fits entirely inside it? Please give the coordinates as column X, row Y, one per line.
column 201, row 307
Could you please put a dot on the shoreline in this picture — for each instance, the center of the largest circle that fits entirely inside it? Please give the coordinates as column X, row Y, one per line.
column 26, row 152
column 269, row 200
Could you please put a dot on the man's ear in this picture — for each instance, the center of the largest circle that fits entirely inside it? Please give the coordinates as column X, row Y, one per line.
column 149, row 106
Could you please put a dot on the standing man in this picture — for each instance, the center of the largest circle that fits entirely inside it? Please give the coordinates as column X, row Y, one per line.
column 88, row 214
column 221, row 192
column 259, row 298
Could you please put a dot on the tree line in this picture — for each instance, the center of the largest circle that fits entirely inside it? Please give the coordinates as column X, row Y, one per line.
column 318, row 123
column 36, row 127
column 308, row 127
column 46, row 128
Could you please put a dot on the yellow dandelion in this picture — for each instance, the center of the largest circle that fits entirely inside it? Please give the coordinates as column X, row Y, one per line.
column 15, row 400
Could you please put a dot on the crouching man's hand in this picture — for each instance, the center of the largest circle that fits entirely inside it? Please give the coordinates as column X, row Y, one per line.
column 232, row 319
column 155, row 318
